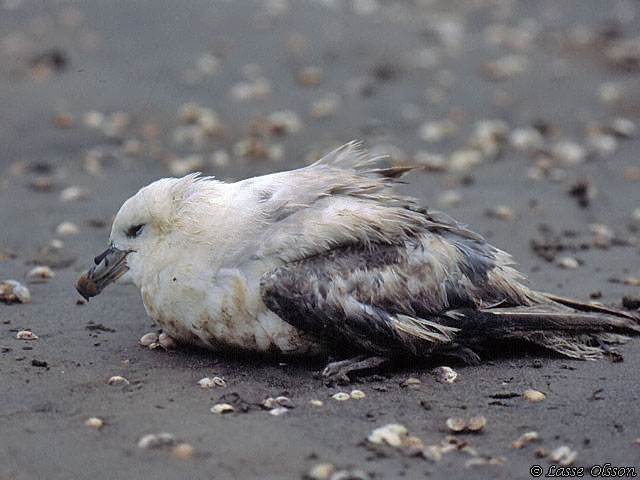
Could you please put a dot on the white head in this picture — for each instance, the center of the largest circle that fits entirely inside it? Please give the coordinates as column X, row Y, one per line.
column 156, row 223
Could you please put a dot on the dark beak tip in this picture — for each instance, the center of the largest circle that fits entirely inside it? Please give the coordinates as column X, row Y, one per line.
column 86, row 287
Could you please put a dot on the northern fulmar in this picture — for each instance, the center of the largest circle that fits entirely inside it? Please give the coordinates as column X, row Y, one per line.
column 328, row 259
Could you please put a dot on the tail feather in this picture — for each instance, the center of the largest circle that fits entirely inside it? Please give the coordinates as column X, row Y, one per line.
column 573, row 329
column 590, row 307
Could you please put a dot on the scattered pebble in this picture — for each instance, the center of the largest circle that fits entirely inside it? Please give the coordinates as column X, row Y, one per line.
column 610, row 92
column 74, row 193
column 26, row 335
column 568, row 262
column 603, row 144
column 524, row 440
column 568, row 152
column 167, row 342
column 436, row 131
column 278, row 411
column 220, row 158
column 433, row 162
column 411, row 383
column 39, row 273
column 502, row 212
column 622, row 127
column 12, row 291
column 477, row 423
column 208, row 382
column 62, row 120
column 316, row 403
column 450, row 198
column 183, row 450
column 357, row 394
column 286, row 122
column 474, row 424
column 151, row 440
column 341, row 396
column 463, row 160
column 221, row 408
column 93, row 119
column 326, row 106
column 526, row 139
column 94, row 422
column 433, row 453
column 208, row 63
column 253, row 90
column 179, row 167
column 310, row 76
column 505, row 67
column 148, row 338
column 391, row 434
column 281, row 401
column 118, row 381
column 445, row 374
column 320, row 471
column 67, row 228
column 456, row 424
column 533, row 395
column 250, row 147
column 563, row 455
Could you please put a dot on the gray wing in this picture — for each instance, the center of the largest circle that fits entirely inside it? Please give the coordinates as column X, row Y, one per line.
column 440, row 291
column 389, row 299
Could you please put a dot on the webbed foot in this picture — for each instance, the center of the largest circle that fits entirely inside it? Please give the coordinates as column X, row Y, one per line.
column 337, row 372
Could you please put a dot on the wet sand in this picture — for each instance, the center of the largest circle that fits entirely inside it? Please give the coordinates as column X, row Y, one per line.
column 417, row 82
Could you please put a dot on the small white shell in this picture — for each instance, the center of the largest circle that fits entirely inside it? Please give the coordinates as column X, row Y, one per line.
column 278, row 411
column 563, row 455
column 456, row 424
column 208, row 382
column 13, row 291
column 148, row 441
column 26, row 335
column 341, row 396
column 118, row 381
column 524, row 439
column 432, row 453
column 568, row 262
column 221, row 408
column 74, row 193
column 391, row 434
column 477, row 423
column 320, row 471
column 167, row 342
column 67, row 228
column 40, row 272
column 148, row 338
column 151, row 440
column 533, row 395
column 316, row 403
column 94, row 422
column 184, row 450
column 357, row 394
column 445, row 374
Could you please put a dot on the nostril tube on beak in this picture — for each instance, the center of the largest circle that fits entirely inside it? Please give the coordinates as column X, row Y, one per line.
column 100, row 257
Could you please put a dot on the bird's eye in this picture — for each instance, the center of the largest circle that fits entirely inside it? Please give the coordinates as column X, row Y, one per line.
column 134, row 230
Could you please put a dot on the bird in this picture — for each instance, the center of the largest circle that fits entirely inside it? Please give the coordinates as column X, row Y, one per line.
column 329, row 260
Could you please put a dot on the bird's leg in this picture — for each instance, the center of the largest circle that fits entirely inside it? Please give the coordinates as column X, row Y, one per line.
column 465, row 355
column 337, row 372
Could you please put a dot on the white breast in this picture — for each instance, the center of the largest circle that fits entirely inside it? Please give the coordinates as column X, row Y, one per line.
column 222, row 311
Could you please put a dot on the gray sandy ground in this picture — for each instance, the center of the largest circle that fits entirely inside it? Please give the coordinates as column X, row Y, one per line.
column 132, row 57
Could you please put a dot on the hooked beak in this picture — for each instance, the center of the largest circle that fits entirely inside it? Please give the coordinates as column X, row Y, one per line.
column 109, row 266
